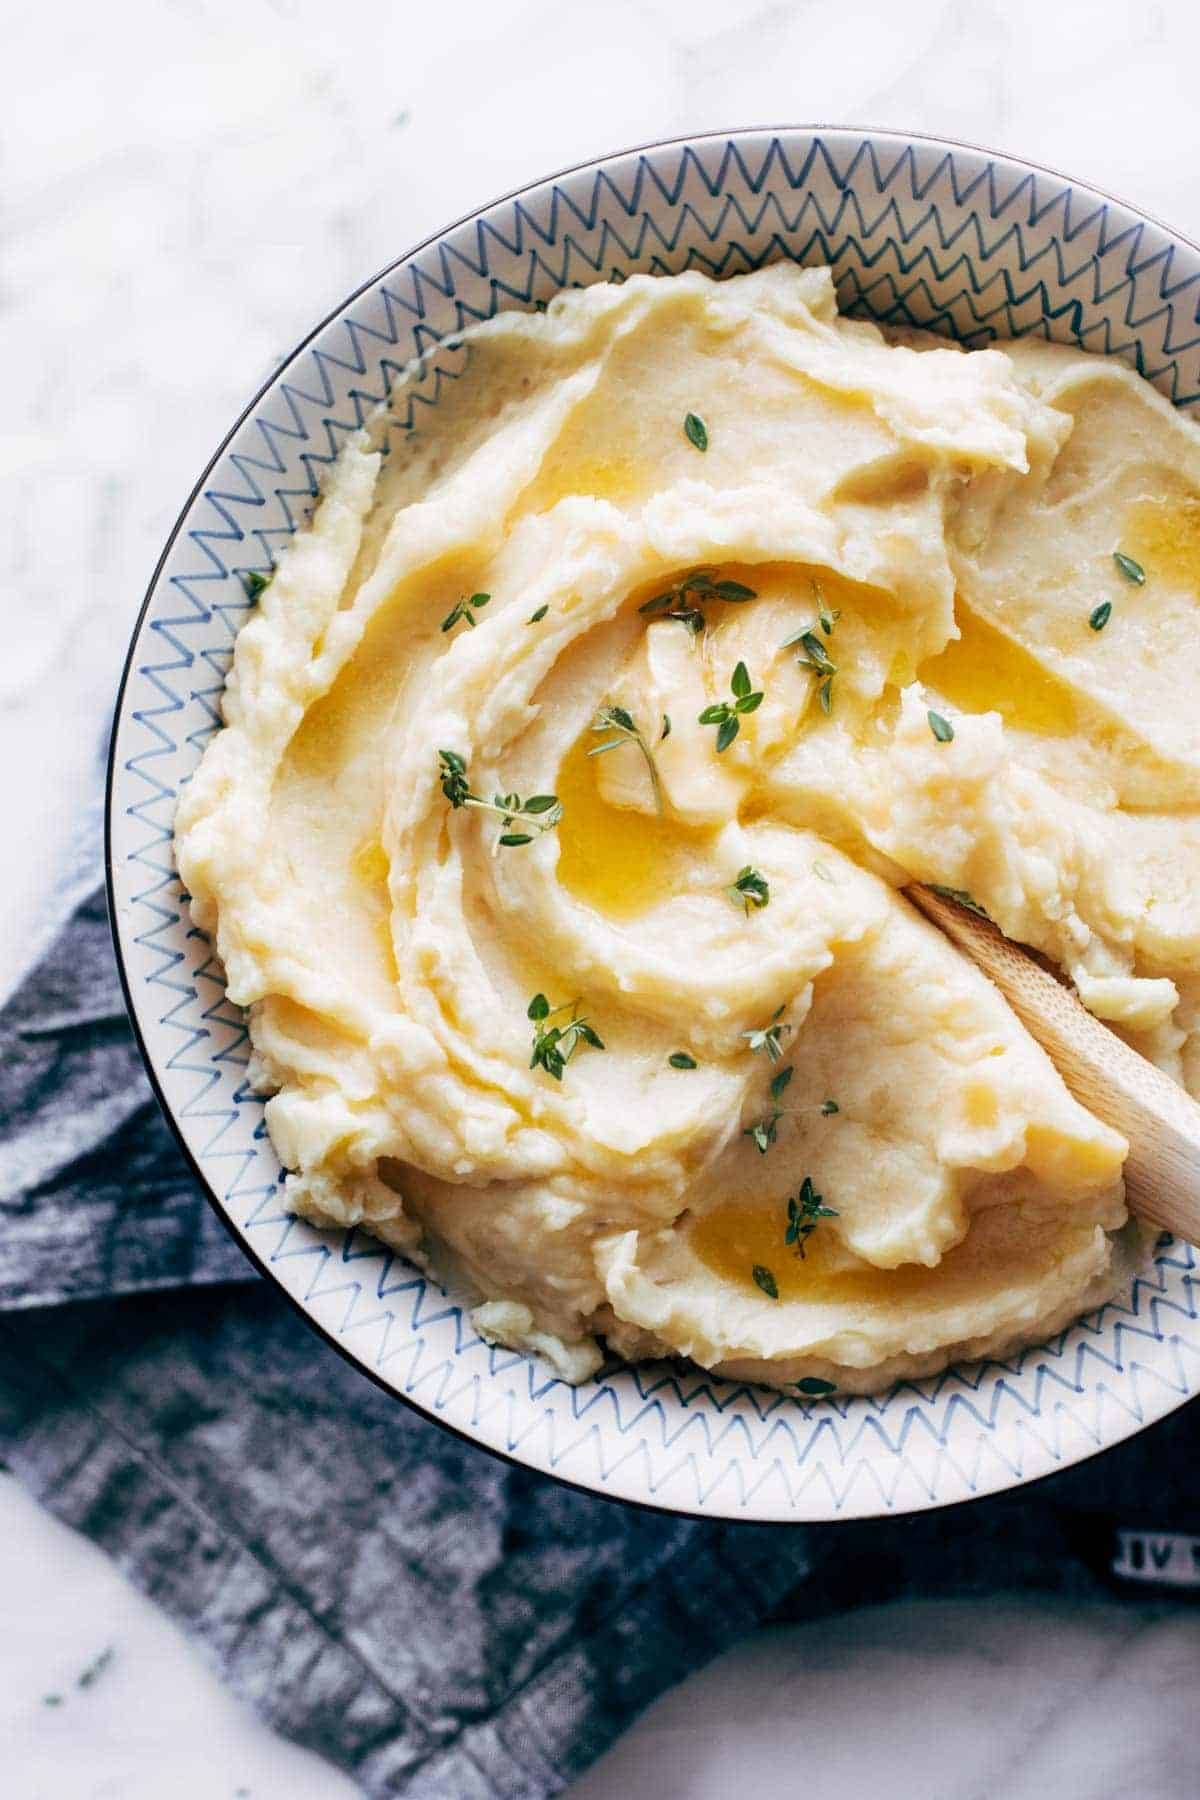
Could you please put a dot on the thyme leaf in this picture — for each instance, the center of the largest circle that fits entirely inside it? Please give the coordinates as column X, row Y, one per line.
column 535, row 618
column 815, row 1387
column 779, row 1082
column 749, row 890
column 941, row 728
column 256, row 582
column 764, row 1132
column 963, row 898
column 696, row 431
column 764, row 1279
column 679, row 1059
column 768, row 1038
column 726, row 715
column 1100, row 615
column 1132, row 571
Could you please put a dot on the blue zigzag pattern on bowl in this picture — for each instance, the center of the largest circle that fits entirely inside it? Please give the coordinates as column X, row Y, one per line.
column 917, row 232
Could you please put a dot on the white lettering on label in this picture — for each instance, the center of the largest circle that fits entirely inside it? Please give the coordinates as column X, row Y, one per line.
column 1171, row 1558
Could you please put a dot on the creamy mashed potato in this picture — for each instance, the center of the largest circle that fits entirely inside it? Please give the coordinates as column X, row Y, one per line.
column 616, row 1014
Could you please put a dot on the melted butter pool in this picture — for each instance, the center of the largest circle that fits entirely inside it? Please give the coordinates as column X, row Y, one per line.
column 597, row 477
column 1163, row 534
column 619, row 861
column 733, row 1237
column 985, row 671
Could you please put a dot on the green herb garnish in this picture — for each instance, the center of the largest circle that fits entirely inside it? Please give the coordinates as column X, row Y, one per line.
column 805, row 1211
column 666, row 727
column 941, row 728
column 817, row 660
column 764, row 1132
column 464, row 609
column 617, row 720
column 726, row 715
column 555, row 1045
column 96, row 1668
column 696, row 585
column 828, row 617
column 679, row 1059
column 535, row 618
column 768, row 1038
column 695, row 430
column 1132, row 571
column 829, row 1107
column 256, row 583
column 541, row 811
column 750, row 889
column 963, row 898
column 779, row 1082
column 815, row 1387
column 1100, row 615
column 764, row 1279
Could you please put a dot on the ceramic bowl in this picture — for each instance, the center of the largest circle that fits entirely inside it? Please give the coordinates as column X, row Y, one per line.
column 973, row 244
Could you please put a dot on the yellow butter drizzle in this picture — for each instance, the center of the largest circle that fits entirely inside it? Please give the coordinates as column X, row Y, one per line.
column 734, row 1237
column 985, row 671
column 619, row 861
column 1163, row 534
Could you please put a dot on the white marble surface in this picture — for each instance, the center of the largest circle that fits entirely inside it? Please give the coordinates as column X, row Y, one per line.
column 185, row 186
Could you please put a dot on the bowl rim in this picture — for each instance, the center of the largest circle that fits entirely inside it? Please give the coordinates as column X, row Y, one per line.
column 253, row 1256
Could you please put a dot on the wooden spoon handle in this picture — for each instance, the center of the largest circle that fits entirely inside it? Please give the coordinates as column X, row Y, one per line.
column 1155, row 1115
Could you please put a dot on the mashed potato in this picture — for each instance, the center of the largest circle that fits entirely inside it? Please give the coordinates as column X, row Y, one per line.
column 574, row 762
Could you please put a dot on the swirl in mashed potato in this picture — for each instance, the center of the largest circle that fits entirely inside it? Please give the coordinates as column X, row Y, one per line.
column 801, row 1139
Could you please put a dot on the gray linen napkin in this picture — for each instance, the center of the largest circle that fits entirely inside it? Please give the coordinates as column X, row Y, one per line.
column 434, row 1621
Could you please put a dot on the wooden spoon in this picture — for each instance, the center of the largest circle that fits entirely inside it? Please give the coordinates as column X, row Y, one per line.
column 1155, row 1115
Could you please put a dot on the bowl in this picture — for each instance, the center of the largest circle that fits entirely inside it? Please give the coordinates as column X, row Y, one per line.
column 973, row 244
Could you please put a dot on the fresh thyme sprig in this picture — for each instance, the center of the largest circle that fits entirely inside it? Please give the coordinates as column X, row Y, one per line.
column 768, row 1037
column 726, row 715
column 805, row 1211
column 749, row 890
column 555, row 1045
column 627, row 731
column 465, row 609
column 696, row 585
column 817, row 658
column 541, row 811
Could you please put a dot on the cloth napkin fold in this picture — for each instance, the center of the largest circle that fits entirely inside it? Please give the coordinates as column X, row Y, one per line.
column 436, row 1622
